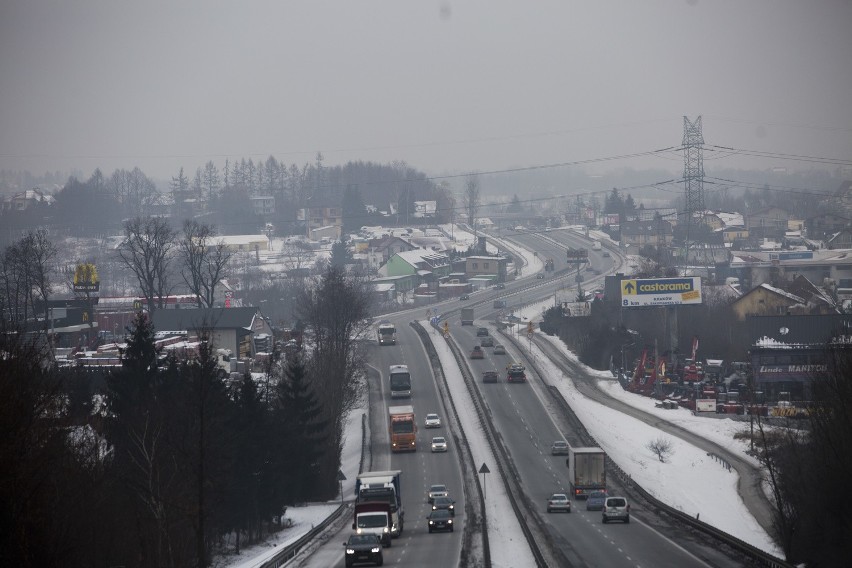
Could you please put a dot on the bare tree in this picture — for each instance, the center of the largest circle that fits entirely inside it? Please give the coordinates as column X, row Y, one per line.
column 135, row 191
column 147, row 252
column 205, row 261
column 471, row 199
column 25, row 276
column 662, row 448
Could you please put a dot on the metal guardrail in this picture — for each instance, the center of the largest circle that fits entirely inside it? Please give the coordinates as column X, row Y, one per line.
column 756, row 555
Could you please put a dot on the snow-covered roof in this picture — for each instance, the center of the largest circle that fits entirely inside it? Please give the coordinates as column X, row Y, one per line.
column 784, row 293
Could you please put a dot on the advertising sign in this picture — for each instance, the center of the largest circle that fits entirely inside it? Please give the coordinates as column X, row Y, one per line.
column 660, row 292
column 705, row 405
column 577, row 255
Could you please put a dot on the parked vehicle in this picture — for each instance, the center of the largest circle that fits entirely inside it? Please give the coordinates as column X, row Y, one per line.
column 586, row 471
column 363, row 548
column 558, row 502
column 440, row 520
column 616, row 509
column 402, row 427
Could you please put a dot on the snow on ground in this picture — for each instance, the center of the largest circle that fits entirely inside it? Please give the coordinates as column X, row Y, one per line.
column 506, row 540
column 690, row 480
column 307, row 517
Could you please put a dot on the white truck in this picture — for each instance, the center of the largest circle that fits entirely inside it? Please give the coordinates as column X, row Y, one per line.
column 383, row 487
column 586, row 471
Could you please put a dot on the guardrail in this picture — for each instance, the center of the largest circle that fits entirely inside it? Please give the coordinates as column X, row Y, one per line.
column 756, row 555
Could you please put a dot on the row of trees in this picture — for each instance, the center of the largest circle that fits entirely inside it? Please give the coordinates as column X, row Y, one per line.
column 159, row 462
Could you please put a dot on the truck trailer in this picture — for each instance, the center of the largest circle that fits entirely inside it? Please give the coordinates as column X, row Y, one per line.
column 403, row 428
column 586, row 471
column 467, row 316
column 383, row 487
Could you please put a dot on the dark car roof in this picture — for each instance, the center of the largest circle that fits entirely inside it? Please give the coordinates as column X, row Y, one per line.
column 439, row 513
column 443, row 499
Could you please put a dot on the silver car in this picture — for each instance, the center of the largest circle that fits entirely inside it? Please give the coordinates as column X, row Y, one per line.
column 433, row 421
column 616, row 509
column 437, row 491
column 439, row 444
column 558, row 502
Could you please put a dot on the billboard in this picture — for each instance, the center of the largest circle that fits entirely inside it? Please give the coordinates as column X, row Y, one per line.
column 660, row 292
column 577, row 255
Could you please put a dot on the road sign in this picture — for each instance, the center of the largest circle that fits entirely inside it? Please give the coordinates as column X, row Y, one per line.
column 660, row 292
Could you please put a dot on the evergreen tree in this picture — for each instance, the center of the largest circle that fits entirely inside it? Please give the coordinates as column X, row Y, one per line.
column 301, row 431
column 354, row 211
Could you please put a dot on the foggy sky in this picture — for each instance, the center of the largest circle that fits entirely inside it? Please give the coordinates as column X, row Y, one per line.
column 447, row 86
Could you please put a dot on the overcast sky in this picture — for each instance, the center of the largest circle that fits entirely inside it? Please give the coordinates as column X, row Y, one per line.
column 447, row 86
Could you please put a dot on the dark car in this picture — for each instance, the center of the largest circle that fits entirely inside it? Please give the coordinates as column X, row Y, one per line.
column 477, row 353
column 500, row 286
column 595, row 501
column 464, row 297
column 490, row 377
column 444, row 504
column 487, row 341
column 363, row 548
column 540, row 276
column 482, row 332
column 440, row 520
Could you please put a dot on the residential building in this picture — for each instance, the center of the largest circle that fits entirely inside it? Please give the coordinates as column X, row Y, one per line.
column 229, row 328
column 641, row 233
column 493, row 267
column 769, row 222
column 263, row 205
column 25, row 199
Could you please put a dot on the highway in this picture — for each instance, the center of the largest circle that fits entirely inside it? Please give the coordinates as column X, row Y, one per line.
column 528, row 422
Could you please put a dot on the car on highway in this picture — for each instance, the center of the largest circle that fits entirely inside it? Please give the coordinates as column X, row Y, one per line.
column 477, row 353
column 490, row 377
column 540, row 275
column 515, row 373
column 445, row 503
column 487, row 341
column 595, row 501
column 606, row 255
column 440, row 520
column 499, row 349
column 437, row 490
column 615, row 509
column 439, row 444
column 558, row 502
column 500, row 286
column 482, row 332
column 559, row 448
column 464, row 297
column 433, row 421
column 362, row 548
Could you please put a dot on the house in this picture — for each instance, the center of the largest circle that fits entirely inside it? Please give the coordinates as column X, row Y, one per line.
column 418, row 261
column 388, row 246
column 493, row 267
column 826, row 224
column 641, row 233
column 319, row 216
column 263, row 205
column 768, row 222
column 734, row 234
column 22, row 200
column 229, row 328
column 765, row 300
column 244, row 243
